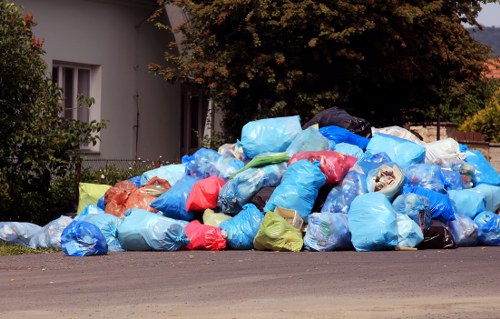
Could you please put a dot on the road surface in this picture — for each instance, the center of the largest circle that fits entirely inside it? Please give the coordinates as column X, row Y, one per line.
column 460, row 283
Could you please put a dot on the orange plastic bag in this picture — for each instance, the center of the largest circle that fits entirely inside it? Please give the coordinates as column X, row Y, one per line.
column 204, row 194
column 156, row 186
column 204, row 237
column 140, row 198
column 333, row 164
column 115, row 198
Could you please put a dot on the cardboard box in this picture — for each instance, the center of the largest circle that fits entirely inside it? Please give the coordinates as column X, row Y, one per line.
column 291, row 216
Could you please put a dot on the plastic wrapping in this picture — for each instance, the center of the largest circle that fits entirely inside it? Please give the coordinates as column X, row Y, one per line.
column 107, row 224
column 441, row 207
column 155, row 186
column 264, row 159
column 341, row 135
column 50, row 235
column 204, row 237
column 327, row 232
column 491, row 196
column 425, row 175
column 173, row 203
column 83, row 239
column 309, row 139
column 372, row 222
column 398, row 131
column 239, row 190
column 464, row 231
column 90, row 194
column 466, row 170
column 207, row 162
column 339, row 117
column 484, row 173
column 171, row 172
column 371, row 161
column 437, row 236
column 277, row 235
column 214, row 219
column 18, row 233
column 341, row 196
column 242, row 228
column 388, row 179
column 232, row 150
column 269, row 135
column 467, row 203
column 142, row 230
column 333, row 164
column 204, row 194
column 488, row 228
column 444, row 149
column 417, row 207
column 400, row 151
column 409, row 233
column 298, row 188
column 349, row 149
column 452, row 180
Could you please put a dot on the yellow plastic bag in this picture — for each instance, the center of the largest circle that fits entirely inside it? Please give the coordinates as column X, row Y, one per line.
column 90, row 194
column 277, row 235
column 214, row 219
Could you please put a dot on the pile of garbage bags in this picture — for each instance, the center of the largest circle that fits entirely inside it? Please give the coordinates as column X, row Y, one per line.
column 329, row 185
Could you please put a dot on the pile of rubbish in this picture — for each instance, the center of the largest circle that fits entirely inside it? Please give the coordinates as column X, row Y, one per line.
column 335, row 183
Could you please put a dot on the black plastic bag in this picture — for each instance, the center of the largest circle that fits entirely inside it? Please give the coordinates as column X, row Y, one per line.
column 438, row 236
column 260, row 199
column 339, row 117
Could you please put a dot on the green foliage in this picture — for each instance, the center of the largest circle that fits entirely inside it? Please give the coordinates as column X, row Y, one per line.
column 486, row 121
column 386, row 61
column 37, row 147
column 12, row 249
column 111, row 174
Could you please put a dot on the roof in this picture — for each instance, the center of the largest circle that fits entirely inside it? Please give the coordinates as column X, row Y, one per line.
column 493, row 66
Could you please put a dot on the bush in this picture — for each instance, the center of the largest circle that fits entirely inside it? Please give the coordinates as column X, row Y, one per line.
column 486, row 121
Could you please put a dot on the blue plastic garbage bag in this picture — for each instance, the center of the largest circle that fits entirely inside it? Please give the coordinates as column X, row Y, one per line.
column 298, row 189
column 372, row 222
column 136, row 180
column 309, row 139
column 108, row 225
column 349, row 149
column 242, row 228
column 269, row 135
column 143, row 230
column 464, row 231
column 83, row 239
column 101, row 203
column 18, row 233
column 341, row 135
column 172, row 203
column 491, row 195
column 417, row 207
column 488, row 228
column 452, row 180
column 400, row 151
column 341, row 196
column 425, row 175
column 171, row 172
column 467, row 202
column 90, row 209
column 239, row 190
column 50, row 235
column 484, row 173
column 409, row 233
column 208, row 162
column 327, row 232
column 441, row 207
column 369, row 161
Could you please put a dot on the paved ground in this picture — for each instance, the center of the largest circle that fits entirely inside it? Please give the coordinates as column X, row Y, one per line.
column 461, row 283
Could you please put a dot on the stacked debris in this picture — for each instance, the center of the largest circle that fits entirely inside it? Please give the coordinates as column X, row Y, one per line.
column 328, row 186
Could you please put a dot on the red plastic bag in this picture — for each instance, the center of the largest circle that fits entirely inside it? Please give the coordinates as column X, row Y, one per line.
column 204, row 194
column 139, row 198
column 333, row 164
column 204, row 237
column 115, row 198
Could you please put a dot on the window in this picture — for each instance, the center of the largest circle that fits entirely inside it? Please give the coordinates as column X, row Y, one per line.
column 74, row 80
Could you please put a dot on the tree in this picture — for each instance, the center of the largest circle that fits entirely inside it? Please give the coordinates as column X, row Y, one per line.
column 37, row 147
column 386, row 61
column 486, row 120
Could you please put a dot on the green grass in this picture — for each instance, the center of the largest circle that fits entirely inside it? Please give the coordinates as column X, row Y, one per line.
column 12, row 249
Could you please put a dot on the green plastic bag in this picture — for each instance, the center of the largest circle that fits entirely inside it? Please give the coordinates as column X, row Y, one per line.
column 90, row 194
column 277, row 235
column 212, row 218
column 265, row 159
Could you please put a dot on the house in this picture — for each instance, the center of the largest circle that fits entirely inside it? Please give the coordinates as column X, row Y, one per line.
column 101, row 49
column 493, row 66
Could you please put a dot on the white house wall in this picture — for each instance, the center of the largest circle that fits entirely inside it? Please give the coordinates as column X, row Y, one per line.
column 115, row 36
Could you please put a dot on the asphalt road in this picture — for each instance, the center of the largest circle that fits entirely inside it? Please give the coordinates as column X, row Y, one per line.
column 460, row 283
